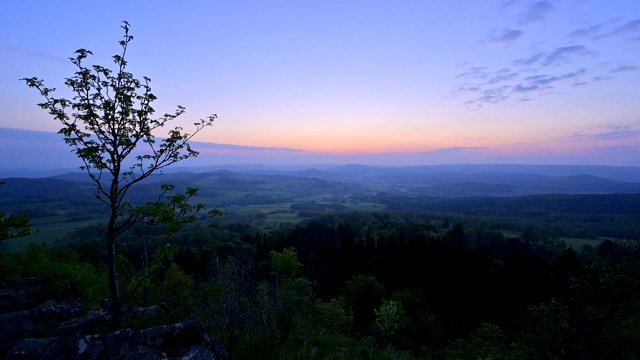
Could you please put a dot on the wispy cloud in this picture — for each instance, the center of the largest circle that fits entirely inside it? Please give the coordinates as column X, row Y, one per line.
column 490, row 96
column 631, row 27
column 560, row 55
column 625, row 68
column 533, row 85
column 610, row 132
column 618, row 132
column 520, row 88
column 474, row 73
column 480, row 76
column 504, row 74
column 505, row 36
column 535, row 11
column 608, row 29
column 31, row 53
column 544, row 68
column 588, row 31
column 601, row 78
column 510, row 4
column 458, row 149
column 528, row 61
column 542, row 80
column 215, row 146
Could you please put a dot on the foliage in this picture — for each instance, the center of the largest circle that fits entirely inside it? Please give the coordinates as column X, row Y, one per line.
column 332, row 316
column 285, row 263
column 13, row 225
column 61, row 269
column 174, row 212
column 362, row 295
column 379, row 286
column 487, row 342
column 390, row 317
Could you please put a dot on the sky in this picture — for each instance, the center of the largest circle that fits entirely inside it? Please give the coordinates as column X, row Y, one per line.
column 373, row 82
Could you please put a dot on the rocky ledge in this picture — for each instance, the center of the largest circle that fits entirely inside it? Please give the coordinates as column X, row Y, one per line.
column 61, row 330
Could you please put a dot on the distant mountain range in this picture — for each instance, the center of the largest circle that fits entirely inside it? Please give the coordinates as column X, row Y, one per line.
column 443, row 180
column 483, row 180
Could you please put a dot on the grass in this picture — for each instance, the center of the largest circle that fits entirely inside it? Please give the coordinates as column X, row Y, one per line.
column 47, row 231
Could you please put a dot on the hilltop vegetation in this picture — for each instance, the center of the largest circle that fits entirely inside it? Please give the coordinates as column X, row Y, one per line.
column 351, row 285
column 301, row 267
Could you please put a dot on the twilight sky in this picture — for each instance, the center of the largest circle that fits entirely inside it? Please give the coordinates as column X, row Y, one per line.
column 412, row 82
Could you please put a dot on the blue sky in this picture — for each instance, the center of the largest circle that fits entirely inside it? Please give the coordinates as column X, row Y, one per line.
column 393, row 82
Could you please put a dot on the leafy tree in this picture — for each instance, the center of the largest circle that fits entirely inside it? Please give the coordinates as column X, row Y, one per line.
column 294, row 295
column 362, row 294
column 390, row 317
column 332, row 316
column 286, row 263
column 235, row 299
column 487, row 342
column 13, row 225
column 107, row 123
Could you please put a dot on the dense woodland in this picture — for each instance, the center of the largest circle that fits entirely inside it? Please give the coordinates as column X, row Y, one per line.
column 359, row 285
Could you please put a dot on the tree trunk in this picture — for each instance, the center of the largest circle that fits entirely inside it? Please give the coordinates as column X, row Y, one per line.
column 116, row 310
column 111, row 234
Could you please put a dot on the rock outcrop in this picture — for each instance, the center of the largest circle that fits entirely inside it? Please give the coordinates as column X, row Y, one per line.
column 62, row 330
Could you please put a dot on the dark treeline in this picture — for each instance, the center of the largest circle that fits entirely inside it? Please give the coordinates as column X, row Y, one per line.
column 381, row 285
column 560, row 215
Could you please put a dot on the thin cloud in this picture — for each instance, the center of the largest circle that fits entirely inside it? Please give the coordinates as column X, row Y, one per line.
column 491, row 96
column 481, row 74
column 530, row 85
column 502, row 75
column 562, row 54
column 622, row 151
column 599, row 31
column 587, row 32
column 630, row 27
column 558, row 55
column 454, row 150
column 216, row 146
column 614, row 132
column 476, row 72
column 617, row 132
column 505, row 37
column 625, row 68
column 464, row 89
column 601, row 78
column 534, row 12
column 548, row 79
column 544, row 80
column 520, row 88
column 31, row 53
column 529, row 60
column 510, row 4
column 536, row 74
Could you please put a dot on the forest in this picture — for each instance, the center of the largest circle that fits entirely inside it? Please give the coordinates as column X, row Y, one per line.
column 303, row 268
